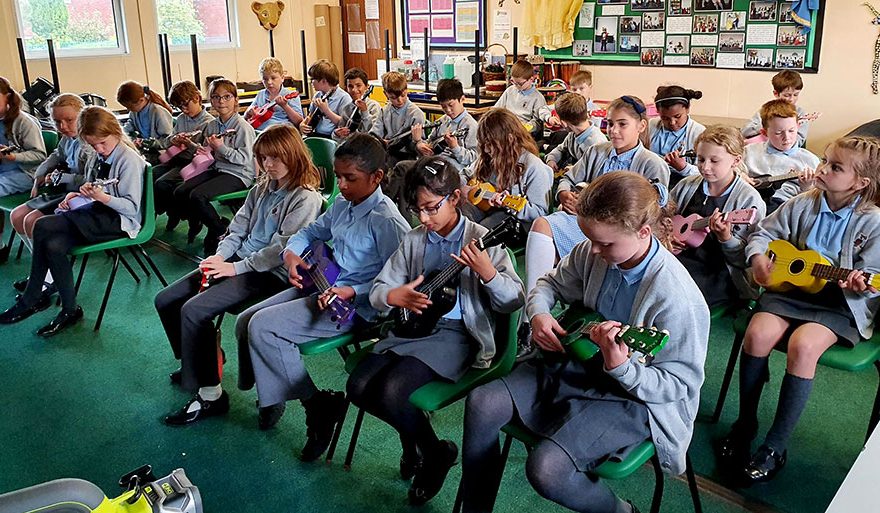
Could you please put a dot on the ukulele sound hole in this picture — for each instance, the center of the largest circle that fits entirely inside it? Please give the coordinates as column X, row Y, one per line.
column 684, row 229
column 796, row 267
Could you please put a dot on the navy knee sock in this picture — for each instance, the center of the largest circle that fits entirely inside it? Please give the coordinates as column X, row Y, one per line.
column 792, row 399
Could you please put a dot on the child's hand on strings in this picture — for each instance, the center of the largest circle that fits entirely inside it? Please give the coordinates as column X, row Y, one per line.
column 344, row 293
column 722, row 228
column 675, row 160
column 291, row 261
column 615, row 352
column 477, row 260
column 304, row 127
column 417, row 131
column 807, row 178
column 342, row 132
column 762, row 266
column 497, row 199
column 424, row 148
column 546, row 331
column 451, row 140
column 215, row 142
column 361, row 105
column 90, row 190
column 407, row 297
column 857, row 282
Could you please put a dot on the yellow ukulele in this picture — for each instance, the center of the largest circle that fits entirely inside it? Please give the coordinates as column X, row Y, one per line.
column 481, row 192
column 804, row 269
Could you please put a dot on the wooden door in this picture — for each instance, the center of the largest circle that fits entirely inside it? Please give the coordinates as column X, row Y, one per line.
column 367, row 61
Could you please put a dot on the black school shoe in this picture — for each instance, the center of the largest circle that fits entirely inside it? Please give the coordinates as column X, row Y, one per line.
column 410, row 464
column 733, row 451
column 764, row 465
column 21, row 284
column 61, row 323
column 430, row 477
column 269, row 416
column 208, row 409
column 324, row 411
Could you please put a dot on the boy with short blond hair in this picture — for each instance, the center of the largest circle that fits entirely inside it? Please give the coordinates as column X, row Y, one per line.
column 780, row 154
column 285, row 110
column 787, row 85
column 523, row 99
column 573, row 110
column 328, row 103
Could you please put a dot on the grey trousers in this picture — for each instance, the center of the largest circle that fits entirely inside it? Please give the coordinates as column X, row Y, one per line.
column 269, row 333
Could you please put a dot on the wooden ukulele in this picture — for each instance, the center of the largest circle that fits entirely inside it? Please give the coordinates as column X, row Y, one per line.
column 441, row 288
column 320, row 276
column 481, row 192
column 398, row 142
column 440, row 145
column 262, row 113
column 316, row 114
column 693, row 229
column 356, row 115
column 770, row 181
column 577, row 321
column 804, row 269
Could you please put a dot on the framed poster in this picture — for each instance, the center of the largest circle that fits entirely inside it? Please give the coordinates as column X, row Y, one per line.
column 451, row 24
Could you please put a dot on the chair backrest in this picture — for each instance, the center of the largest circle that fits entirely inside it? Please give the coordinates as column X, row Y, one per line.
column 148, row 206
column 322, row 155
column 50, row 139
column 505, row 335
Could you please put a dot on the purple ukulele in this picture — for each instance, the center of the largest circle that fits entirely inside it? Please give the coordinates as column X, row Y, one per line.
column 320, row 276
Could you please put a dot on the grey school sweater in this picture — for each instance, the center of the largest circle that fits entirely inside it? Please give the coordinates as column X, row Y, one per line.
column 26, row 134
column 667, row 298
column 59, row 157
column 503, row 293
column 572, row 147
column 754, row 126
column 126, row 196
column 742, row 196
column 236, row 156
column 689, row 142
column 393, row 121
column 465, row 153
column 159, row 122
column 759, row 161
column 528, row 106
column 589, row 167
column 368, row 119
column 860, row 250
column 299, row 207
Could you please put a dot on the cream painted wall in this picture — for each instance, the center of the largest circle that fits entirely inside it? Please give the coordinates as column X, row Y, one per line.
column 102, row 75
column 841, row 90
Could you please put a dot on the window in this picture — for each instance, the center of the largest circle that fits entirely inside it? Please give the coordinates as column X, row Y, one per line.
column 76, row 27
column 212, row 21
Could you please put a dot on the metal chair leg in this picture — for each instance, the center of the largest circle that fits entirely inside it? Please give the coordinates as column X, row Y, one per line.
column 128, row 268
column 337, row 432
column 728, row 377
column 875, row 413
column 692, row 484
column 5, row 250
column 352, row 444
column 82, row 271
column 20, row 250
column 107, row 291
column 139, row 261
column 658, row 485
column 153, row 266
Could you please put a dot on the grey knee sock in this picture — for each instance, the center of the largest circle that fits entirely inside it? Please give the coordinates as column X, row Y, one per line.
column 792, row 399
column 753, row 372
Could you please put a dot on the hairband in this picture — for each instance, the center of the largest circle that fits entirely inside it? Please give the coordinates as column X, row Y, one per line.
column 146, row 89
column 671, row 98
column 663, row 191
column 638, row 107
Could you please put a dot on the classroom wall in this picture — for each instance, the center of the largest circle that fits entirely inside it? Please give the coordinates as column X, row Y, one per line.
column 101, row 75
column 841, row 90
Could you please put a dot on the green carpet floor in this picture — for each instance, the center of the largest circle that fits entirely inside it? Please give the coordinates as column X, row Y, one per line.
column 88, row 405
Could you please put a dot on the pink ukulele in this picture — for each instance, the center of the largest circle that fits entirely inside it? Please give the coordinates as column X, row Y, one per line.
column 693, row 229
column 166, row 155
column 202, row 161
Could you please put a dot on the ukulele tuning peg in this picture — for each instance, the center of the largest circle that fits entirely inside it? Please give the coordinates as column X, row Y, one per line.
column 665, row 332
column 643, row 360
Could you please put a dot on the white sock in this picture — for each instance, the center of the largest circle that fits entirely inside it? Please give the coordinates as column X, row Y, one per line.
column 207, row 394
column 540, row 258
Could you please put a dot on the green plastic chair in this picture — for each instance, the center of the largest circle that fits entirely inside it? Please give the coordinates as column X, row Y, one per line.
column 610, row 469
column 322, row 155
column 50, row 139
column 113, row 247
column 865, row 354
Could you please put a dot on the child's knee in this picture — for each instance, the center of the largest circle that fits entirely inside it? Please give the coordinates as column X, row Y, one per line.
column 548, row 468
column 542, row 226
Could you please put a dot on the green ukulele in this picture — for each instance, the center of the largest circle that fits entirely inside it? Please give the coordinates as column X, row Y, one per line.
column 578, row 321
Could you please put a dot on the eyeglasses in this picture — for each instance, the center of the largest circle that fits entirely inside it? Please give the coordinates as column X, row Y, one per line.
column 429, row 211
column 224, row 98
column 519, row 83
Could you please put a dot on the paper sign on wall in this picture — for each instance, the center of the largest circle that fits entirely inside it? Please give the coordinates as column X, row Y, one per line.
column 371, row 9
column 357, row 42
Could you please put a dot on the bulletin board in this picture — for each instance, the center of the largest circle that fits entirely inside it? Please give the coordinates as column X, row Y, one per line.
column 450, row 23
column 728, row 34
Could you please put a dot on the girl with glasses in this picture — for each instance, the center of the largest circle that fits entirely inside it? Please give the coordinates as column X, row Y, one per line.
column 463, row 338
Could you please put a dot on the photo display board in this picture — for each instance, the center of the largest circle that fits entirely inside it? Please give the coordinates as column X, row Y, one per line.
column 729, row 34
column 450, row 23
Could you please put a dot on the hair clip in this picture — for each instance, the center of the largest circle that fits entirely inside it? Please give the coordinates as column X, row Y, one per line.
column 429, row 167
column 663, row 191
column 638, row 107
column 146, row 89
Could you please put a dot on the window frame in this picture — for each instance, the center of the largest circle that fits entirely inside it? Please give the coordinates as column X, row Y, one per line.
column 232, row 19
column 119, row 22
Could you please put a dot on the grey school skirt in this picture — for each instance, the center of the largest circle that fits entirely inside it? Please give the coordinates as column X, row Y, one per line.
column 579, row 407
column 827, row 307
column 448, row 351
